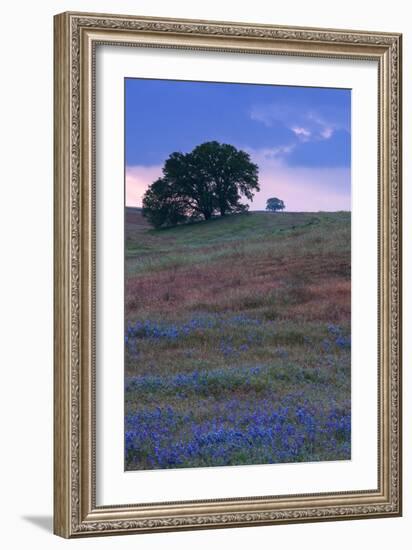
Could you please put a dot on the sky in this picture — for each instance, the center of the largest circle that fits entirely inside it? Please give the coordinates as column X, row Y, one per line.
column 299, row 137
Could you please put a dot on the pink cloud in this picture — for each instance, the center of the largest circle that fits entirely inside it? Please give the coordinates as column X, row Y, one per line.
column 301, row 188
column 327, row 133
column 138, row 179
column 302, row 133
column 304, row 190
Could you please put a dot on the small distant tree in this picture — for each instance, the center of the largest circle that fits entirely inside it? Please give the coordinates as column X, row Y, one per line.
column 274, row 204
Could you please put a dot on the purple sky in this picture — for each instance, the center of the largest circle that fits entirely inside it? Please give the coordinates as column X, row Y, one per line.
column 299, row 137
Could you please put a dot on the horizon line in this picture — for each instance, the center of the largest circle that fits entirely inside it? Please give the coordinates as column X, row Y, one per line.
column 263, row 210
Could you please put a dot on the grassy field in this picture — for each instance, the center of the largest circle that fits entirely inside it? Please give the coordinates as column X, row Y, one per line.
column 237, row 340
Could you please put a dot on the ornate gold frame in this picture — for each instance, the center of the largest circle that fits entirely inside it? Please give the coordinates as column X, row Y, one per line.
column 75, row 38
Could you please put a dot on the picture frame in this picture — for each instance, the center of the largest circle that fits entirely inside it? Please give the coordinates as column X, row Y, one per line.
column 76, row 302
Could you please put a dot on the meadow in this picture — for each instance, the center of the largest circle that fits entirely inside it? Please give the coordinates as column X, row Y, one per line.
column 237, row 340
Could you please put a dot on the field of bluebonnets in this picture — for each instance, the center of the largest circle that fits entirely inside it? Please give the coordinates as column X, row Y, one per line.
column 237, row 340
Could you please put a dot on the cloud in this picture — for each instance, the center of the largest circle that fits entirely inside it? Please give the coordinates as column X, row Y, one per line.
column 302, row 133
column 305, row 123
column 138, row 179
column 302, row 188
column 307, row 189
column 268, row 153
column 327, row 132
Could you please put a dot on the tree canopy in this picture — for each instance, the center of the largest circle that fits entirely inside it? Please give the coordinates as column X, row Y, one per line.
column 274, row 204
column 211, row 179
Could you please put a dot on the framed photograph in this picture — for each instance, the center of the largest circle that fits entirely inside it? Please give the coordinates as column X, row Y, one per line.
column 227, row 274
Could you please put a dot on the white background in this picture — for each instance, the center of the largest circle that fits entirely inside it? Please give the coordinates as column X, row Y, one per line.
column 114, row 486
column 26, row 272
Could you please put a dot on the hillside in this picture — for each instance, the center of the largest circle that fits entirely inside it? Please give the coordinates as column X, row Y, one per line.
column 280, row 265
column 237, row 340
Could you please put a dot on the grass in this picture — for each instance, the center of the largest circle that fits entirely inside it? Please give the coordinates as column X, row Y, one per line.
column 237, row 340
